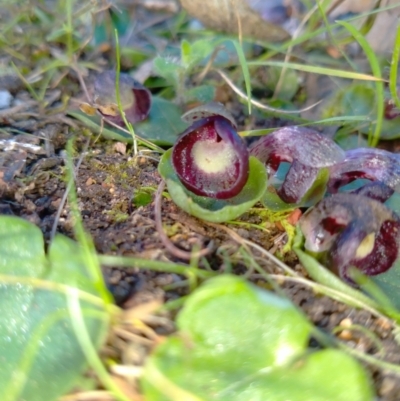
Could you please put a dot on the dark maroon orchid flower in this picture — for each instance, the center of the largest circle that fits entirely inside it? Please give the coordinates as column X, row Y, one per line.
column 375, row 190
column 209, row 157
column 135, row 98
column 306, row 150
column 355, row 231
column 369, row 163
column 391, row 111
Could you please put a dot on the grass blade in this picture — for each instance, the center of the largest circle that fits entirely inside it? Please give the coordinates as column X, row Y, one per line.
column 245, row 70
column 376, row 70
column 319, row 70
column 393, row 69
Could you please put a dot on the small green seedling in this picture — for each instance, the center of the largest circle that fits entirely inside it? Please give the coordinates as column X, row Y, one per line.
column 175, row 70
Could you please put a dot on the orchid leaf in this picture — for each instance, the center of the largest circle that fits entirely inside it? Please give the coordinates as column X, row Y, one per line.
column 164, row 123
column 168, row 68
column 347, row 142
column 389, row 284
column 162, row 126
column 237, row 342
column 202, row 93
column 289, row 86
column 394, row 203
column 359, row 99
column 211, row 209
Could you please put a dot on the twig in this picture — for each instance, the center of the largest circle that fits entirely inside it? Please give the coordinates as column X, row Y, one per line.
column 333, row 6
column 179, row 253
column 81, row 81
column 199, row 79
column 257, row 103
column 16, row 109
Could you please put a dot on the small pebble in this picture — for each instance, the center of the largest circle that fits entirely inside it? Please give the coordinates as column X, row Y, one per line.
column 346, row 334
column 90, row 181
column 388, row 385
column 5, row 99
column 120, row 147
column 347, row 322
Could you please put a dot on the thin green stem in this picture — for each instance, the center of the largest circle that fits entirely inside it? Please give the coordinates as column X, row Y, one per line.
column 155, row 265
column 393, row 69
column 69, row 29
column 373, row 139
column 88, row 348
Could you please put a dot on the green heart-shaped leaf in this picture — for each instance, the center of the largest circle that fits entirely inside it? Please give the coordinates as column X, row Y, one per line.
column 237, row 342
column 162, row 126
column 40, row 354
column 214, row 209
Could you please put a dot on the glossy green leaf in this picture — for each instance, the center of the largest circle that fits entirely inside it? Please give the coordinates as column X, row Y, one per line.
column 121, row 20
column 358, row 99
column 202, row 93
column 237, row 342
column 289, row 85
column 164, row 123
column 162, row 126
column 168, row 68
column 390, row 129
column 41, row 357
column 347, row 142
column 100, row 33
column 389, row 281
column 194, row 53
column 394, row 203
column 273, row 202
column 353, row 100
column 209, row 209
